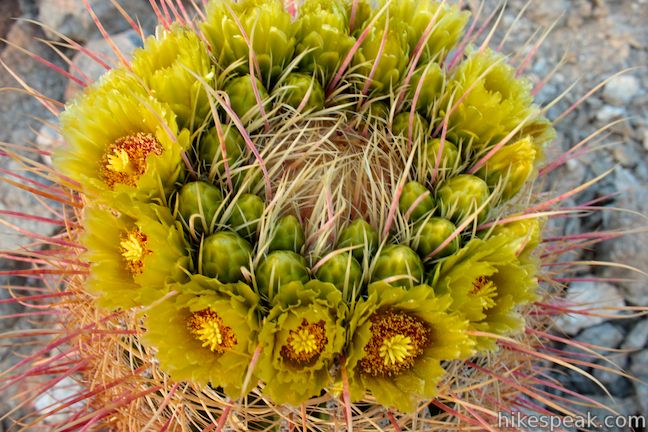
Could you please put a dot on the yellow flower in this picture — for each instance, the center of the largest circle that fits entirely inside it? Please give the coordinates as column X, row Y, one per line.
column 495, row 102
column 206, row 334
column 172, row 64
column 398, row 339
column 488, row 283
column 302, row 336
column 511, row 166
column 133, row 257
column 120, row 142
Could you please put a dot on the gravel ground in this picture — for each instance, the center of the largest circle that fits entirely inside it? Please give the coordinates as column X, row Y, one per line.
column 596, row 39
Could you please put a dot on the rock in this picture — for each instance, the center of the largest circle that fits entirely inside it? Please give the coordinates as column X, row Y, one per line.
column 645, row 139
column 616, row 384
column 630, row 250
column 20, row 110
column 9, row 9
column 605, row 335
column 637, row 338
column 63, row 390
column 126, row 42
column 547, row 11
column 19, row 114
column 48, row 139
column 16, row 200
column 638, row 362
column 624, row 407
column 71, row 18
column 621, row 89
column 627, row 154
column 588, row 295
column 641, row 390
column 609, row 113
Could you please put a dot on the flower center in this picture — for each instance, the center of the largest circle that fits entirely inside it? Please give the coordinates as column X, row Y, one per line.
column 485, row 291
column 133, row 249
column 125, row 160
column 397, row 339
column 119, row 161
column 305, row 343
column 207, row 327
column 396, row 349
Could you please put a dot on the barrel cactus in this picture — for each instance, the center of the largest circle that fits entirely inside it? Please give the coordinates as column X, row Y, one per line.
column 305, row 215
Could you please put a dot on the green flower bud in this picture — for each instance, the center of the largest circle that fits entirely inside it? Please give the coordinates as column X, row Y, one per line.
column 400, row 263
column 401, row 125
column 363, row 14
column 431, row 89
column 524, row 236
column 512, row 165
column 322, row 36
column 288, row 235
column 412, row 192
column 378, row 111
column 242, row 97
column 343, row 271
column 267, row 25
column 431, row 233
column 198, row 203
column 359, row 233
column 392, row 62
column 223, row 255
column 297, row 86
column 374, row 114
column 209, row 149
column 280, row 268
column 449, row 154
column 462, row 195
column 416, row 15
column 246, row 214
column 498, row 101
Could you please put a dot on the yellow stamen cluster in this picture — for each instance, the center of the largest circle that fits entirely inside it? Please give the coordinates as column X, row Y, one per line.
column 125, row 160
column 133, row 249
column 397, row 339
column 305, row 343
column 207, row 327
column 485, row 290
column 396, row 349
column 119, row 161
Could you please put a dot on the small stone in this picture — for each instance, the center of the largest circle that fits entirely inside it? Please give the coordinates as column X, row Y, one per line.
column 48, row 139
column 609, row 113
column 630, row 250
column 637, row 338
column 641, row 390
column 62, row 391
column 639, row 363
column 612, row 379
column 72, row 19
column 589, row 295
column 625, row 407
column 605, row 335
column 621, row 89
column 645, row 139
column 126, row 42
column 9, row 9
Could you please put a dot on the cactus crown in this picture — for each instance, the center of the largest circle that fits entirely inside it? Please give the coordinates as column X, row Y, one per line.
column 323, row 182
